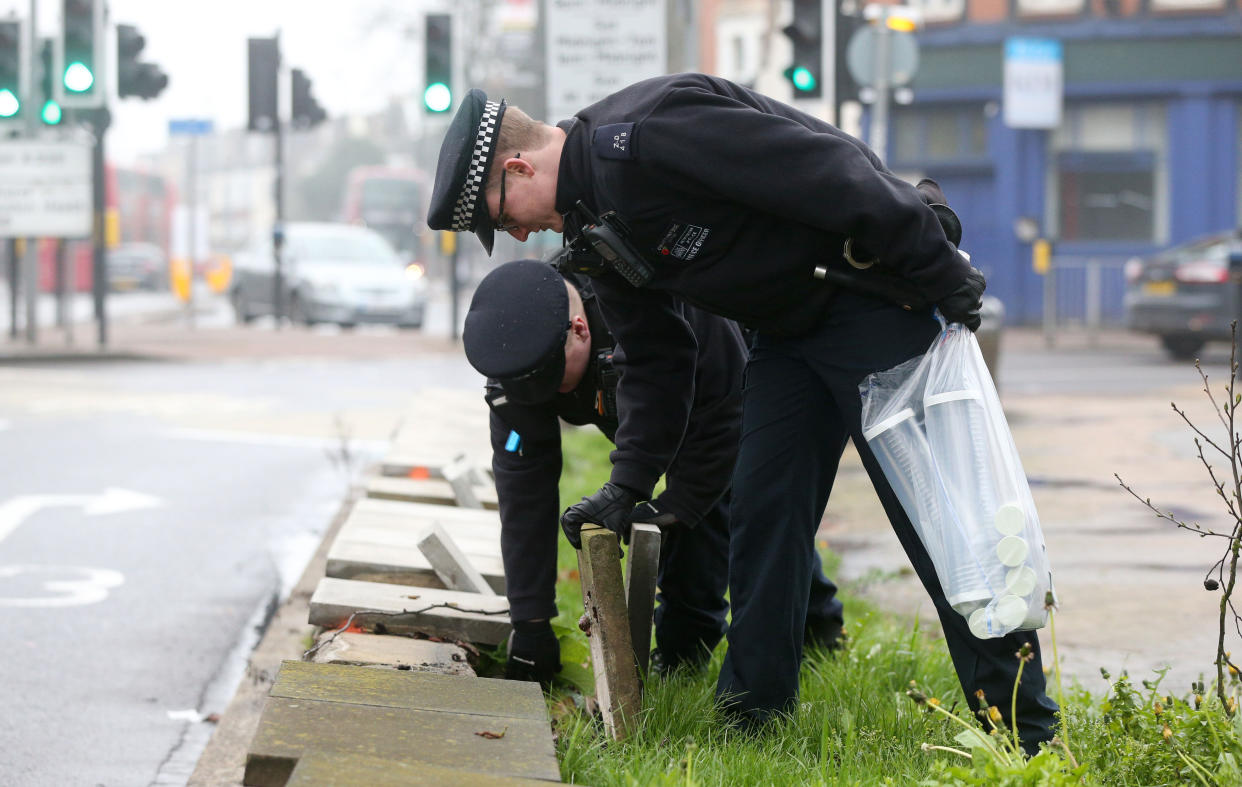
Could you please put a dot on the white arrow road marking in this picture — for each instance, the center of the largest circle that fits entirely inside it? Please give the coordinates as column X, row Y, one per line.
column 113, row 501
column 91, row 586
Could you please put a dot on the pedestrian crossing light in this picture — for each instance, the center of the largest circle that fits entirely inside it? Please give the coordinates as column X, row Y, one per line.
column 805, row 33
column 438, row 72
column 10, row 69
column 81, row 52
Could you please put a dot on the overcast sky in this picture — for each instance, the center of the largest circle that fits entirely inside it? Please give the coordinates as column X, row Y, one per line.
column 354, row 62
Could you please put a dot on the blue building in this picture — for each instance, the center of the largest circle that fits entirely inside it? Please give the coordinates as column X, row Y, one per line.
column 1146, row 153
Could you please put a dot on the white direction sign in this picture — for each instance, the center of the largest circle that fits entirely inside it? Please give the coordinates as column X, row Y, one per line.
column 596, row 47
column 45, row 190
column 1034, row 82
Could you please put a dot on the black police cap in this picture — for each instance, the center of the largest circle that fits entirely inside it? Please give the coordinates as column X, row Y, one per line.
column 457, row 199
column 516, row 329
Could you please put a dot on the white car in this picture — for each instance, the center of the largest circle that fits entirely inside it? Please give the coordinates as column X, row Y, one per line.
column 332, row 273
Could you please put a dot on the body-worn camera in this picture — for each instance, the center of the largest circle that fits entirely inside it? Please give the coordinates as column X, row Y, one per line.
column 603, row 243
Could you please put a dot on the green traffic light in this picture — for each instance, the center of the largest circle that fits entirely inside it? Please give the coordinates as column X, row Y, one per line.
column 9, row 105
column 78, row 77
column 438, row 97
column 803, row 79
column 51, row 113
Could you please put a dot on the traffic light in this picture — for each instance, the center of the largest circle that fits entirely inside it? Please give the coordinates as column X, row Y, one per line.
column 49, row 108
column 133, row 77
column 806, row 32
column 438, row 74
column 849, row 20
column 264, row 66
column 10, row 69
column 81, row 54
column 306, row 110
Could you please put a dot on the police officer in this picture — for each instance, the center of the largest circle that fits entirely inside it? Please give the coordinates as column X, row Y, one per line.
column 540, row 340
column 695, row 188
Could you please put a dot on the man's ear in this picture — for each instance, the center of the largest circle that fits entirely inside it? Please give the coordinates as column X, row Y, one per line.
column 581, row 328
column 518, row 166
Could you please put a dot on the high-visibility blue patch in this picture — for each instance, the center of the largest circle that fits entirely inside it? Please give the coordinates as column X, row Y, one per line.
column 514, row 443
column 616, row 141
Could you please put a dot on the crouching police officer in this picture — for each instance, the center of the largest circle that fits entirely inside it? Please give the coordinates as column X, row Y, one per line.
column 697, row 189
column 539, row 338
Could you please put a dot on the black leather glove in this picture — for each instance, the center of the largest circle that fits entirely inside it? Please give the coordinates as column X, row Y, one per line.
column 930, row 191
column 652, row 513
column 534, row 653
column 611, row 507
column 964, row 303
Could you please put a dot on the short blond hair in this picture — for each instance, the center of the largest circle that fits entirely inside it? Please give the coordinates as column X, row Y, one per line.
column 518, row 132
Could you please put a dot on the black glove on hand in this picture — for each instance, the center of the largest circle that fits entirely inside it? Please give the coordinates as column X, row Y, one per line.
column 930, row 191
column 964, row 303
column 610, row 506
column 652, row 513
column 534, row 653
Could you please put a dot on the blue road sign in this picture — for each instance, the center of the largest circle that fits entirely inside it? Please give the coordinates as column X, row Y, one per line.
column 189, row 127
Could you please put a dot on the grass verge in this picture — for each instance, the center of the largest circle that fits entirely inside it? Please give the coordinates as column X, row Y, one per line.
column 857, row 725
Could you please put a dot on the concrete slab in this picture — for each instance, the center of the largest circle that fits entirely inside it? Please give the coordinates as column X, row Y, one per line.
column 400, row 510
column 375, row 650
column 291, row 727
column 334, row 769
column 402, row 609
column 409, row 689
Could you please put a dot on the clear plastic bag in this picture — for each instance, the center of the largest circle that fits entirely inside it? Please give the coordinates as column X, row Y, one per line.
column 936, row 427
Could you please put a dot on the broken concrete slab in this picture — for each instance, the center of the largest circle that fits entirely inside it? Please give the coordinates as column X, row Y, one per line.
column 375, row 650
column 399, row 565
column 642, row 567
column 452, row 566
column 617, row 687
column 402, row 609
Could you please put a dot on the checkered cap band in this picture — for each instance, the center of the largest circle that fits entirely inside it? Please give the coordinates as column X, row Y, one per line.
column 463, row 211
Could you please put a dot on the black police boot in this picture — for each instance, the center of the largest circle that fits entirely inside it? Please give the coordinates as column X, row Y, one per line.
column 824, row 633
column 665, row 662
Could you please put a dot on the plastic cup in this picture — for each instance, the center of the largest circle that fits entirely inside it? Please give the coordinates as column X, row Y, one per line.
column 1021, row 581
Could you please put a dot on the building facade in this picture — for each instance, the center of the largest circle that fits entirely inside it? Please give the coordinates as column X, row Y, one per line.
column 1146, row 153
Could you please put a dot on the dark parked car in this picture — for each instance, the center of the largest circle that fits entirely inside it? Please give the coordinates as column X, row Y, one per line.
column 1187, row 295
column 331, row 273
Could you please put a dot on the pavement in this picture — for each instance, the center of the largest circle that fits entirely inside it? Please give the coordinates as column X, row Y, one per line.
column 1129, row 584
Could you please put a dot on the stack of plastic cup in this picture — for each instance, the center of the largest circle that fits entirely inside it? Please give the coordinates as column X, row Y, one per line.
column 902, row 449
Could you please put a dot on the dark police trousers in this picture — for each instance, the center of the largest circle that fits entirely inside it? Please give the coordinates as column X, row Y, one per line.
column 801, row 405
column 693, row 575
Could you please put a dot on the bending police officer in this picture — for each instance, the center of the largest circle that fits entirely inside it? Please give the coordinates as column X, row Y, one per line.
column 543, row 344
column 702, row 190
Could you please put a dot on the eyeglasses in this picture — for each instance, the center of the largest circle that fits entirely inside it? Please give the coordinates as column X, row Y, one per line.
column 501, row 224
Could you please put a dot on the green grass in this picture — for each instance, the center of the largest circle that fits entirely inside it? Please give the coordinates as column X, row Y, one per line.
column 855, row 724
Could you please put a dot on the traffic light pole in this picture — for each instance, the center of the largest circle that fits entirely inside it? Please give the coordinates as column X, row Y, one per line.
column 278, row 233
column 100, row 120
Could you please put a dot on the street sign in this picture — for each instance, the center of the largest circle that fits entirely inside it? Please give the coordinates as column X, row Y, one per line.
column 596, row 47
column 1034, row 83
column 903, row 55
column 189, row 127
column 45, row 190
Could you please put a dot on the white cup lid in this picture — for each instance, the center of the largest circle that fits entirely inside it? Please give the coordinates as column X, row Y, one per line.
column 1012, row 550
column 1021, row 581
column 1010, row 611
column 1010, row 519
column 978, row 623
